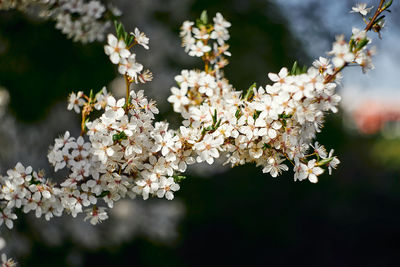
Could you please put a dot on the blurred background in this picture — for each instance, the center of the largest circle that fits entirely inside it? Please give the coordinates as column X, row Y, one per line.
column 221, row 216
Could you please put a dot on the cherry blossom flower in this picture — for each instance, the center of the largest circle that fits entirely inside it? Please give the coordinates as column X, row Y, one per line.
column 141, row 38
column 198, row 49
column 116, row 49
column 361, row 8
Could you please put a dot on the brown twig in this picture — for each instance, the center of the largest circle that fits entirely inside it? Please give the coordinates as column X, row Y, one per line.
column 378, row 11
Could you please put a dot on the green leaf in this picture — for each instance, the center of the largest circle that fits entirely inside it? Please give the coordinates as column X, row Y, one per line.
column 218, row 124
column 285, row 116
column 265, row 146
column 179, row 178
column 256, row 114
column 238, row 113
column 362, row 43
column 198, row 23
column 250, row 92
column 324, row 161
column 387, row 5
column 32, row 181
column 379, row 19
column 104, row 193
column 297, row 70
column 214, row 117
column 116, row 25
column 119, row 136
column 351, row 44
column 129, row 40
column 204, row 17
column 91, row 97
column 119, row 29
column 294, row 69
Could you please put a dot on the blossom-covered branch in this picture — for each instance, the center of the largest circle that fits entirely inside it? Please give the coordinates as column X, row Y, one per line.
column 124, row 152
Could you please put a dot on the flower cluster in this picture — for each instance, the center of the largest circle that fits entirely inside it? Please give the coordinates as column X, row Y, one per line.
column 207, row 40
column 81, row 20
column 120, row 54
column 265, row 125
column 354, row 52
column 124, row 152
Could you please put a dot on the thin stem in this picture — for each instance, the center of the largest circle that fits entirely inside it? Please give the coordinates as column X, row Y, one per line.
column 331, row 77
column 377, row 13
column 134, row 43
column 83, row 122
column 128, row 84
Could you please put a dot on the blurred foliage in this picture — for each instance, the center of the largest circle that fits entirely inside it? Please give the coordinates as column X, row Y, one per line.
column 39, row 66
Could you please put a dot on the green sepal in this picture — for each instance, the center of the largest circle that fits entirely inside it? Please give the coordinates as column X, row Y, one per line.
column 104, row 193
column 179, row 178
column 119, row 136
column 32, row 181
column 297, row 70
column 256, row 114
column 238, row 113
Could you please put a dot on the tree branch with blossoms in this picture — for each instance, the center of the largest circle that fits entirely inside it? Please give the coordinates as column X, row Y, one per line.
column 125, row 152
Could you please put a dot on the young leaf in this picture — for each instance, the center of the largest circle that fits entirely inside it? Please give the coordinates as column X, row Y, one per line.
column 204, row 17
column 250, row 92
column 294, row 69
